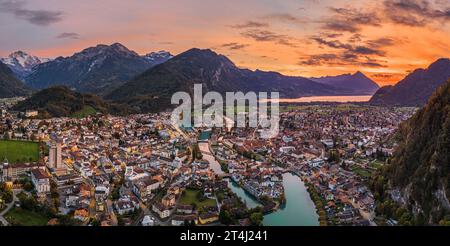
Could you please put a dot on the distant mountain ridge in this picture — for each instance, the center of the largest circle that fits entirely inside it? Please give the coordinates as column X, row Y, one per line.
column 60, row 101
column 96, row 69
column 10, row 86
column 416, row 87
column 22, row 63
column 355, row 84
column 152, row 90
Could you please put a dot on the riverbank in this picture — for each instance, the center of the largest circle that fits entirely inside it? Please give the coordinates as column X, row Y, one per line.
column 298, row 210
column 315, row 197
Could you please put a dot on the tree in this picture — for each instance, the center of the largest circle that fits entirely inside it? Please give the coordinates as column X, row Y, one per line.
column 333, row 156
column 256, row 219
column 95, row 222
column 28, row 186
column 66, row 220
column 225, row 217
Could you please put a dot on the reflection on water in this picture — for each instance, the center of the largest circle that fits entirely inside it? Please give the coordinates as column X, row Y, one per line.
column 342, row 99
column 299, row 209
column 249, row 200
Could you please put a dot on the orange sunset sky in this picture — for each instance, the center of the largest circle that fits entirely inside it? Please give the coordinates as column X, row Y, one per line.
column 383, row 39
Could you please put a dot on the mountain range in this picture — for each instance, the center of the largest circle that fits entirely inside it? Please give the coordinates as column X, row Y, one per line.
column 96, row 69
column 152, row 90
column 355, row 84
column 22, row 63
column 416, row 87
column 147, row 82
column 10, row 86
column 103, row 68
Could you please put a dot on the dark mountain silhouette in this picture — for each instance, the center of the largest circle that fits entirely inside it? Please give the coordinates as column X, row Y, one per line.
column 60, row 101
column 10, row 86
column 420, row 168
column 354, row 84
column 152, row 90
column 415, row 88
column 96, row 69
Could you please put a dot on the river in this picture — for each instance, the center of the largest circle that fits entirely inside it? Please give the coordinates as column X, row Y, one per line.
column 299, row 209
column 215, row 166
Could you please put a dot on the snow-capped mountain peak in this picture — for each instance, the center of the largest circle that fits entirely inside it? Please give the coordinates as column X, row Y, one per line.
column 158, row 57
column 22, row 63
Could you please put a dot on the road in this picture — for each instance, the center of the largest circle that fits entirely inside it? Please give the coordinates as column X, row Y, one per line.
column 110, row 210
column 366, row 215
column 8, row 207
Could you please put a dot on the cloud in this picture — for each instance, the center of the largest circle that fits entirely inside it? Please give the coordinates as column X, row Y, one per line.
column 269, row 36
column 364, row 50
column 332, row 44
column 68, row 35
column 36, row 17
column 384, row 75
column 250, row 24
column 381, row 42
column 350, row 48
column 234, row 46
column 416, row 12
column 355, row 38
column 315, row 60
column 342, row 59
column 332, row 35
column 285, row 17
column 350, row 20
column 356, row 51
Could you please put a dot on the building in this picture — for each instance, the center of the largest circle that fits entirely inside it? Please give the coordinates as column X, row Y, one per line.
column 31, row 113
column 169, row 200
column 14, row 171
column 81, row 214
column 179, row 220
column 41, row 180
column 207, row 218
column 54, row 156
column 143, row 188
column 126, row 205
column 148, row 221
column 161, row 210
column 185, row 209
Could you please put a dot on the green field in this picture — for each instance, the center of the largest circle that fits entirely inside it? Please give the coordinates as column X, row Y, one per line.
column 86, row 111
column 190, row 197
column 19, row 151
column 361, row 171
column 18, row 216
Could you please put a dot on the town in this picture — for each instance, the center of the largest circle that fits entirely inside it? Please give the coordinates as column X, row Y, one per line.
column 143, row 170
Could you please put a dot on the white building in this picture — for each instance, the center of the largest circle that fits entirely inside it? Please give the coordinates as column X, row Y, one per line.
column 148, row 221
column 40, row 180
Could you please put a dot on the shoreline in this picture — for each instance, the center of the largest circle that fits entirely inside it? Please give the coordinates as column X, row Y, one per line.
column 310, row 187
column 278, row 204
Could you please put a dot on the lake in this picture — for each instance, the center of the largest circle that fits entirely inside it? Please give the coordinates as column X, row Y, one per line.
column 341, row 99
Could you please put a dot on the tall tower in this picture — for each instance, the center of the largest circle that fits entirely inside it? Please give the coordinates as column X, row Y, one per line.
column 54, row 157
